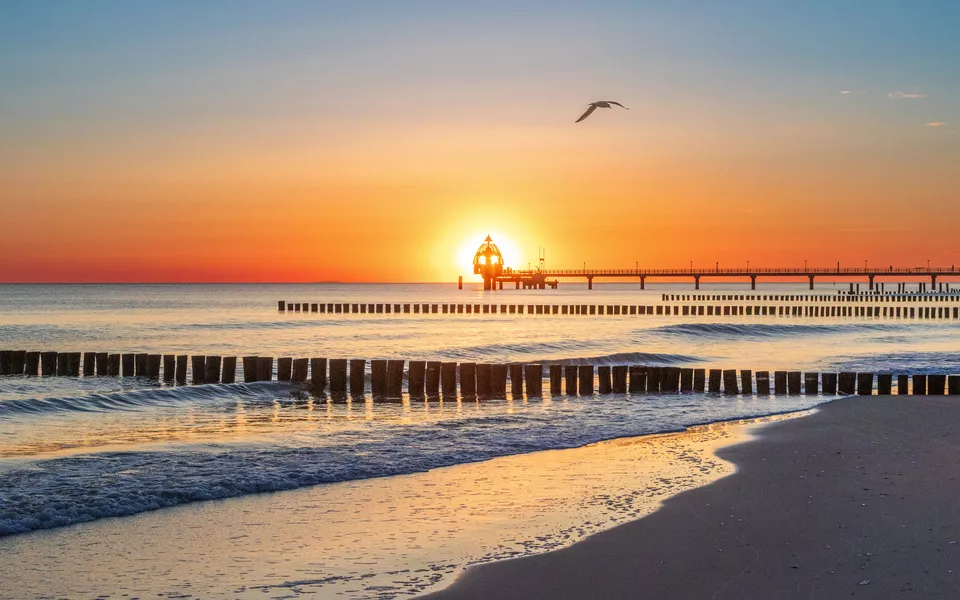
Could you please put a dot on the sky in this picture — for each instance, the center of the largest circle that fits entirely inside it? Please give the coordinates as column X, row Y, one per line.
column 382, row 141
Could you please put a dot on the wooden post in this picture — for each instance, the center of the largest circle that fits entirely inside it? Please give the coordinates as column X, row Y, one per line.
column 229, row 370
column 394, row 378
column 318, row 374
column 468, row 379
column 686, row 380
column 498, row 380
column 865, row 384
column 654, row 379
column 763, row 383
column 829, row 384
column 89, row 364
column 516, row 380
column 779, row 382
column 282, row 305
column 730, row 382
column 483, row 379
column 619, row 379
column 140, row 365
column 378, row 377
column 448, row 379
column 603, row 376
column 357, row 368
column 250, row 369
column 153, row 366
column 638, row 379
column 714, row 378
column 6, row 362
column 847, row 383
column 433, row 378
column 953, row 385
column 585, row 377
column 299, row 369
column 264, row 368
column 198, row 369
column 746, row 381
column 211, row 370
column 31, row 364
column 919, row 385
column 670, row 380
column 811, row 384
column 169, row 367
column 113, row 365
column 699, row 380
column 884, row 384
column 338, row 375
column 556, row 379
column 415, row 378
column 903, row 385
column 127, row 361
column 534, row 379
column 570, row 375
column 936, row 385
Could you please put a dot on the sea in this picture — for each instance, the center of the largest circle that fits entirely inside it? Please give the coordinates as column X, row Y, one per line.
column 76, row 450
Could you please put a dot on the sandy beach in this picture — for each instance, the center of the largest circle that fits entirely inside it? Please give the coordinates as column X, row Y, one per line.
column 856, row 500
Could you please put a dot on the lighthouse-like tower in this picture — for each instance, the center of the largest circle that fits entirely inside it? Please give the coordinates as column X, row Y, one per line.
column 488, row 262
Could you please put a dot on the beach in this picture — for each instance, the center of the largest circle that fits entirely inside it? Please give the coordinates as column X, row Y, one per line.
column 856, row 500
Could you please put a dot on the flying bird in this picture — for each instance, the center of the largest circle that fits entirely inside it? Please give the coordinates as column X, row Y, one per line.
column 599, row 104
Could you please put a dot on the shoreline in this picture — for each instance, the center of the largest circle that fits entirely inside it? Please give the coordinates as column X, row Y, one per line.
column 858, row 498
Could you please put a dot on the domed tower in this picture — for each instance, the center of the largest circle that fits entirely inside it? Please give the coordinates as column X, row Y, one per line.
column 488, row 262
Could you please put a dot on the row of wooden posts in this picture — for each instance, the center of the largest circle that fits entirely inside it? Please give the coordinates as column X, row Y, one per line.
column 483, row 379
column 898, row 312
column 841, row 298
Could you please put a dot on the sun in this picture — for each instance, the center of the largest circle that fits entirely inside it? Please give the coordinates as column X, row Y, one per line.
column 468, row 247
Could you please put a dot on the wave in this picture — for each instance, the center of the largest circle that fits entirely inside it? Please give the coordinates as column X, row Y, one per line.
column 766, row 330
column 909, row 363
column 142, row 399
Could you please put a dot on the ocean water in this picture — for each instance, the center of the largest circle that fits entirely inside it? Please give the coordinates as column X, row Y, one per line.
column 76, row 450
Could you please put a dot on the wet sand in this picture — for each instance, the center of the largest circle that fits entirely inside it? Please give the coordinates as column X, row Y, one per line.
column 860, row 499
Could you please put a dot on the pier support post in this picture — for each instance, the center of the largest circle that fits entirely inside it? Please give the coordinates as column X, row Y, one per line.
column 643, row 283
column 433, row 379
column 696, row 282
column 811, row 282
column 357, row 368
column 871, row 281
column 570, row 374
column 753, row 282
column 589, row 283
column 230, row 370
column 249, row 369
column 415, row 378
column 338, row 375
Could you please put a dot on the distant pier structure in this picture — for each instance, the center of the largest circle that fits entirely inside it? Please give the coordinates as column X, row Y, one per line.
column 488, row 263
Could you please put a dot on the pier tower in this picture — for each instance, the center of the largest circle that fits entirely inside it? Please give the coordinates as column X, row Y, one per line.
column 488, row 262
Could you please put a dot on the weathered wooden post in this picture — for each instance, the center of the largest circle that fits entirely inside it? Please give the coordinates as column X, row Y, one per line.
column 415, row 378
column 686, row 380
column 936, row 384
column 730, row 382
column 153, row 366
column 448, row 379
column 140, row 364
column 953, row 385
column 483, row 379
column 847, row 383
column 585, row 377
column 169, row 367
column 828, row 384
column 299, row 369
column 556, row 380
column 357, row 368
column 211, row 369
column 229, row 370
column 318, row 374
column 654, row 380
column 113, row 365
column 903, row 385
column 603, row 379
column 6, row 362
column 249, row 369
column 394, row 378
column 516, row 380
column 534, row 379
column 619, row 379
column 670, row 379
column 699, row 380
column 919, row 385
column 570, row 375
column 127, row 361
column 468, row 379
column 779, row 382
column 638, row 379
column 264, row 368
column 31, row 364
column 89, row 364
column 763, row 383
column 865, row 384
column 884, row 384
column 378, row 377
column 715, row 376
column 811, row 384
column 338, row 375
column 433, row 378
column 282, row 305
column 746, row 381
column 198, row 369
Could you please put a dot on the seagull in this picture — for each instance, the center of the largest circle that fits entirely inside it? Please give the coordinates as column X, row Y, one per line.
column 599, row 104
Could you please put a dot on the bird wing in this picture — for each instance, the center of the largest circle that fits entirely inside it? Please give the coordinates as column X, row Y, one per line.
column 586, row 114
column 618, row 104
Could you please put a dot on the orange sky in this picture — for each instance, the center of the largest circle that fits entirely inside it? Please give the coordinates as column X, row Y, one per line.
column 211, row 169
